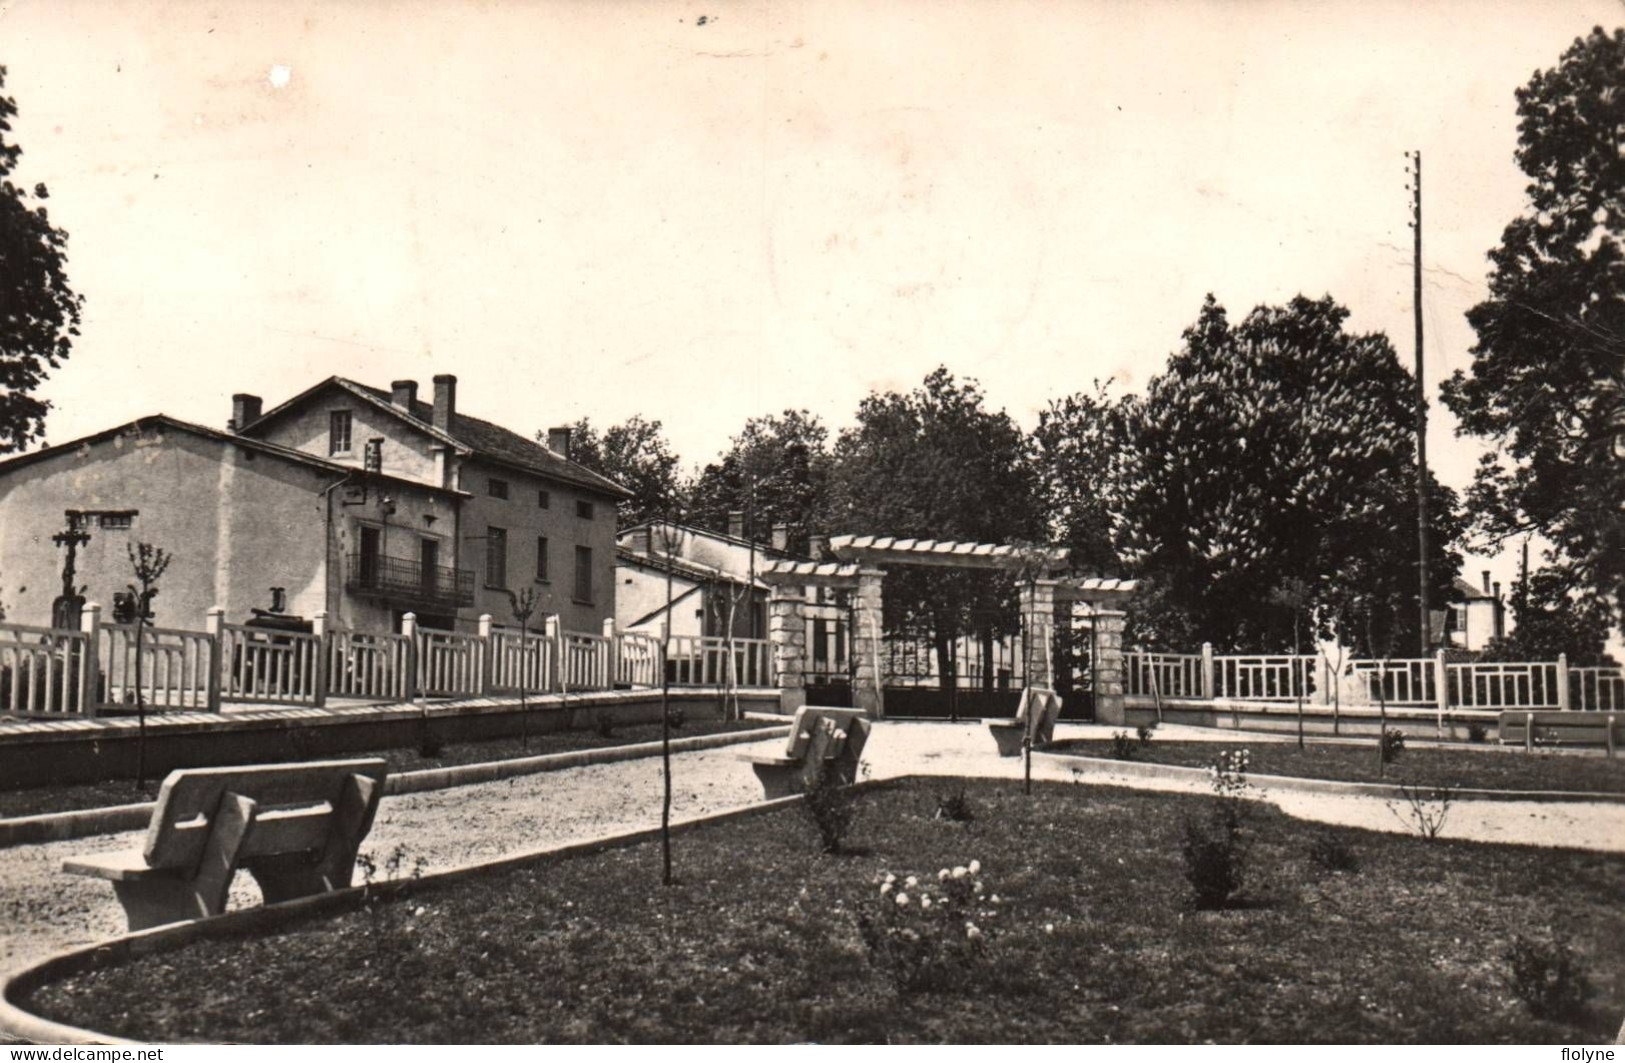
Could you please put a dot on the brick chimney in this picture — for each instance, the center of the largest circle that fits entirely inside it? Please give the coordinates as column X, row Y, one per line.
column 558, row 440
column 781, row 537
column 1486, row 578
column 1499, row 614
column 736, row 523
column 445, row 401
column 245, row 410
column 404, row 394
column 818, row 547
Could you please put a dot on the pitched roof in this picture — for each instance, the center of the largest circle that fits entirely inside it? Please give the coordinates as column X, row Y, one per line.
column 163, row 420
column 1470, row 592
column 473, row 435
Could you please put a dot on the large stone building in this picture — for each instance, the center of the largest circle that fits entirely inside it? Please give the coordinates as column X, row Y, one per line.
column 363, row 503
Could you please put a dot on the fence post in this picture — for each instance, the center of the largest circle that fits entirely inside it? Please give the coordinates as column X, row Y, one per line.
column 487, row 654
column 1563, row 681
column 90, row 622
column 1207, row 671
column 409, row 628
column 555, row 650
column 1441, row 683
column 612, row 654
column 215, row 624
column 318, row 690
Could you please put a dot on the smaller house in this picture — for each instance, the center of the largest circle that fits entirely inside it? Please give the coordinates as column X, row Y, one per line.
column 1477, row 618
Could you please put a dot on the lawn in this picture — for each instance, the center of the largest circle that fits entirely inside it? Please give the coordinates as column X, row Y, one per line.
column 1423, row 766
column 1093, row 939
column 41, row 799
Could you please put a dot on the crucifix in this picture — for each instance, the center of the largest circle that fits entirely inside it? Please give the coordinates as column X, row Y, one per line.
column 65, row 609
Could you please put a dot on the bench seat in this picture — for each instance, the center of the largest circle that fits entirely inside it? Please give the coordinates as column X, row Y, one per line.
column 1035, row 716
column 821, row 739
column 295, row 827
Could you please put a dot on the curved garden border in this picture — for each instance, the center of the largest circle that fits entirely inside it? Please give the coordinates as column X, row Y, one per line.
column 17, row 1023
column 116, row 819
column 1100, row 766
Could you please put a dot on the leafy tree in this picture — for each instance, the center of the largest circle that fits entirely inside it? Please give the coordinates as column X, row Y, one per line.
column 776, row 471
column 1548, row 370
column 1275, row 450
column 1073, row 447
column 1550, row 616
column 39, row 312
column 635, row 455
column 937, row 464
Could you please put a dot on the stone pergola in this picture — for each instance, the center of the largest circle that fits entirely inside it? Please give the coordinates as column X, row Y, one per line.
column 859, row 569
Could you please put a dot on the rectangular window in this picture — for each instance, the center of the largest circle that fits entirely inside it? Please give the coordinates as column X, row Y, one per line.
column 496, row 557
column 338, row 432
column 373, row 456
column 584, row 574
column 117, row 520
column 543, row 500
column 584, row 510
column 496, row 488
column 541, row 559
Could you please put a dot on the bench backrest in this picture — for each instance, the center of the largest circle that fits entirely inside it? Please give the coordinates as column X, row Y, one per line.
column 295, row 807
column 1040, row 708
column 805, row 723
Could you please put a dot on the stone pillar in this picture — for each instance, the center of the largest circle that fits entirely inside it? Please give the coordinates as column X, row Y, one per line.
column 1109, row 666
column 867, row 618
column 318, row 691
column 787, row 632
column 1038, row 631
column 214, row 622
column 90, row 688
column 612, row 654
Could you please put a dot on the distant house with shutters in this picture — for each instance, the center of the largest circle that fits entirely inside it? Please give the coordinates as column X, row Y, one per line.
column 356, row 501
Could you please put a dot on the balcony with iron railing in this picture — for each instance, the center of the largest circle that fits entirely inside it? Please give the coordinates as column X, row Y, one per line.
column 403, row 579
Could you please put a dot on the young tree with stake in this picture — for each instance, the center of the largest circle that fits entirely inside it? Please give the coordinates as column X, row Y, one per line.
column 148, row 563
column 523, row 605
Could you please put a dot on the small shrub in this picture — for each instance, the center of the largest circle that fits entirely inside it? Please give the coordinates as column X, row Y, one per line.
column 1393, row 744
column 1124, row 747
column 676, row 716
column 955, row 805
column 831, row 807
column 1547, row 977
column 925, row 936
column 1142, row 733
column 605, row 726
column 1331, row 852
column 1424, row 809
column 1215, row 859
column 430, row 746
column 1476, row 732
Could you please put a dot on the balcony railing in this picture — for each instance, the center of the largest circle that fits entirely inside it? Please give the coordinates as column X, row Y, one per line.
column 403, row 579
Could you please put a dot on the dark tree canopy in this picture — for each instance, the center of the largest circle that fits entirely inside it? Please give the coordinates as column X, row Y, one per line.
column 775, row 471
column 39, row 312
column 937, row 464
column 1274, row 453
column 1073, row 446
column 1548, row 369
column 635, row 455
column 1549, row 618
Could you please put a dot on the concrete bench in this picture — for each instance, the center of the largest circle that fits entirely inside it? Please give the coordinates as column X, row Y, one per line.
column 1562, row 728
column 295, row 827
column 819, row 738
column 1035, row 718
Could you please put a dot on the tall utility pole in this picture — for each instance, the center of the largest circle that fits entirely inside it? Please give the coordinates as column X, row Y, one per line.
column 1421, row 410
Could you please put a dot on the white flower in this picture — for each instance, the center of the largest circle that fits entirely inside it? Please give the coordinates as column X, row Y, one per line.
column 925, row 903
column 978, row 885
column 975, row 867
column 942, row 876
column 885, row 888
column 994, row 898
column 960, row 872
column 911, row 882
column 890, row 878
column 972, row 932
column 1049, row 928
column 902, row 900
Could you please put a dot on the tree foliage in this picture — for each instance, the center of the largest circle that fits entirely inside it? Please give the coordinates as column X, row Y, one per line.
column 937, row 464
column 1548, row 369
column 39, row 312
column 1274, row 451
column 1550, row 618
column 635, row 455
column 775, row 471
column 1073, row 446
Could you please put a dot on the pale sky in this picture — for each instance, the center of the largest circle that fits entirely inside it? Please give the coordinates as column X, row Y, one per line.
column 607, row 209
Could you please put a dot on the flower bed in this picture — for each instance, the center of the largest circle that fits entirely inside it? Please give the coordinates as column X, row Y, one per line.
column 1420, row 766
column 765, row 938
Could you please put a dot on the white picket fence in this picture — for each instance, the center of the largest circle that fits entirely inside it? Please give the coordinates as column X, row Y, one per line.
column 1422, row 682
column 710, row 661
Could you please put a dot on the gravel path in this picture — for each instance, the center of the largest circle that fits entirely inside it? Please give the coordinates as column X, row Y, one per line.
column 43, row 910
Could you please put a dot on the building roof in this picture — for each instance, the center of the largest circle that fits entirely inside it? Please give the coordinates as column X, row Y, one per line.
column 163, row 420
column 678, row 566
column 472, row 435
column 706, row 533
column 1470, row 592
